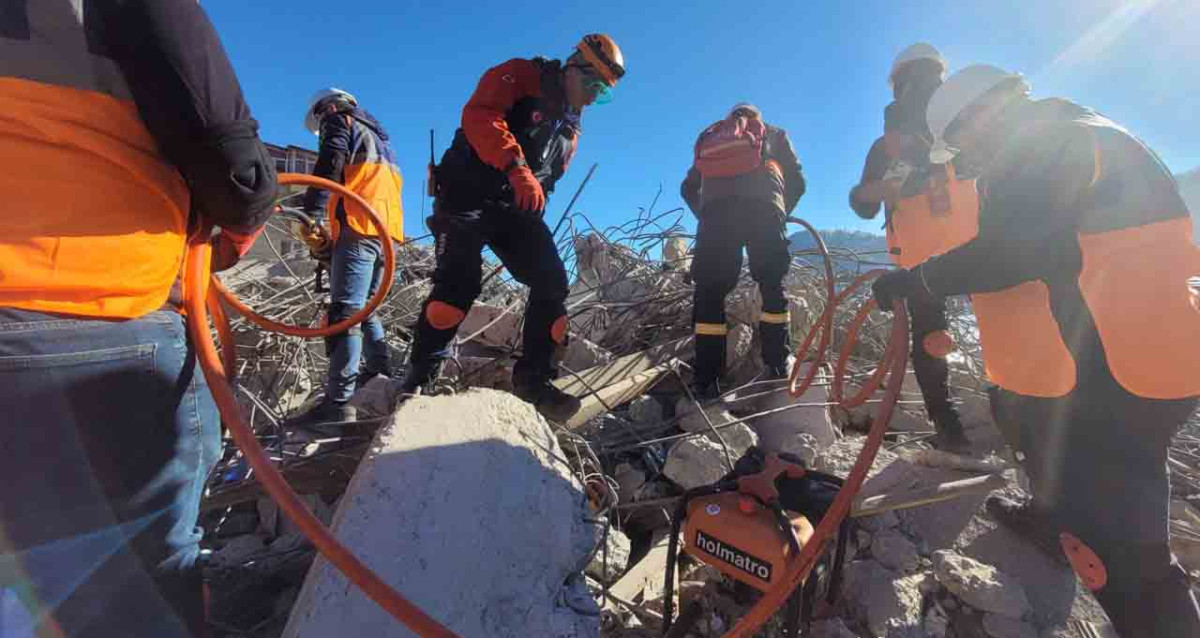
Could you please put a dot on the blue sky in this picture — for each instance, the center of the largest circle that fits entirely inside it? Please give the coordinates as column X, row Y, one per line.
column 816, row 68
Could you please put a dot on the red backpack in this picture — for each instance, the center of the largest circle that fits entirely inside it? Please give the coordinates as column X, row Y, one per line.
column 730, row 147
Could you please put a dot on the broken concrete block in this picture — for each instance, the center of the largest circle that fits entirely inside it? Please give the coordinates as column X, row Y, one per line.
column 377, row 397
column 981, row 586
column 479, row 525
column 778, row 430
column 676, row 255
column 583, row 355
column 629, row 480
column 803, row 446
column 238, row 550
column 936, row 623
column 879, row 522
column 998, row 626
column 607, row 569
column 697, row 461
column 644, row 581
column 895, row 551
column 700, row 460
column 831, row 628
column 888, row 603
column 691, row 420
column 738, row 341
column 501, row 326
column 838, row 458
column 646, row 410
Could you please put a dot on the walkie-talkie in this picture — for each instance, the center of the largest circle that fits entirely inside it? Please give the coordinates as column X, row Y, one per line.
column 431, row 170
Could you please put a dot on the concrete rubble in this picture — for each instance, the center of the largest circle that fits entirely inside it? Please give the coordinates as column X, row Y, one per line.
column 468, row 500
column 456, row 519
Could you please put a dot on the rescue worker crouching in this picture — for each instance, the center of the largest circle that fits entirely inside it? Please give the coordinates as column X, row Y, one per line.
column 519, row 131
column 1088, row 327
column 925, row 214
column 355, row 152
column 746, row 179
column 131, row 149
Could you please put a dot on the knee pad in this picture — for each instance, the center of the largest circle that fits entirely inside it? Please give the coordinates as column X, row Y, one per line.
column 560, row 330
column 1084, row 560
column 938, row 344
column 443, row 316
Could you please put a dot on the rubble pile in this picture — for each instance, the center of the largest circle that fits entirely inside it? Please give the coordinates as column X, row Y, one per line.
column 641, row 440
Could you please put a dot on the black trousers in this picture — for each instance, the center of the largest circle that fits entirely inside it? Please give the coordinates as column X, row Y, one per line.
column 1097, row 461
column 526, row 248
column 933, row 374
column 726, row 226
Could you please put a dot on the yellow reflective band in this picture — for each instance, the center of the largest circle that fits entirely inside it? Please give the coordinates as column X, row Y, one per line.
column 714, row 329
column 773, row 317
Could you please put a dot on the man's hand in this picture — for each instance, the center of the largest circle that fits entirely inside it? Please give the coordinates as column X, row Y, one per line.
column 896, row 285
column 317, row 237
column 527, row 191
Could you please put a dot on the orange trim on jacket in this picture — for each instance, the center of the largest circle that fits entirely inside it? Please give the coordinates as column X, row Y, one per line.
column 483, row 118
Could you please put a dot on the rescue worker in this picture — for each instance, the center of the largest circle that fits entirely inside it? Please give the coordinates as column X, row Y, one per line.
column 132, row 134
column 897, row 174
column 355, row 152
column 1080, row 274
column 747, row 209
column 519, row 131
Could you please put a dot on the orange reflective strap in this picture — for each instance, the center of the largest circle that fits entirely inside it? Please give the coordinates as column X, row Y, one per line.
column 558, row 330
column 443, row 316
column 711, row 329
column 1084, row 561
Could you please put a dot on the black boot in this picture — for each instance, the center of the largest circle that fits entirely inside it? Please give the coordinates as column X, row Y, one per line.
column 325, row 419
column 1030, row 523
column 550, row 402
column 950, row 436
column 420, row 378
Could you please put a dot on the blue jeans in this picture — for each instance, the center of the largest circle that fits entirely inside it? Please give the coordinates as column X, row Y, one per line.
column 355, row 275
column 109, row 432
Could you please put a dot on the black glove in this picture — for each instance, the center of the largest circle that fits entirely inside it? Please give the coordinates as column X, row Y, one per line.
column 896, row 285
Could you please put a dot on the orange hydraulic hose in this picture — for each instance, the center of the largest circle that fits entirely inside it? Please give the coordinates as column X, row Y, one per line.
column 196, row 282
column 824, row 324
column 389, row 268
column 896, row 361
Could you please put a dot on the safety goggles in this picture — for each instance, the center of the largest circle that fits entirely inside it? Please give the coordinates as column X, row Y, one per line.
column 746, row 113
column 594, row 85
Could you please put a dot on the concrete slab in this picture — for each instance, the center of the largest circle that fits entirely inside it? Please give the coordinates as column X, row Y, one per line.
column 465, row 506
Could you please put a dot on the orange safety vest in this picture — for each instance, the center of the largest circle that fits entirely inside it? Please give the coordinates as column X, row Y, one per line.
column 1137, row 252
column 96, row 218
column 372, row 174
column 1138, row 256
column 918, row 230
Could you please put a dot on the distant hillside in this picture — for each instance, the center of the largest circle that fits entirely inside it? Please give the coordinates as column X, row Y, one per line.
column 1189, row 185
column 860, row 242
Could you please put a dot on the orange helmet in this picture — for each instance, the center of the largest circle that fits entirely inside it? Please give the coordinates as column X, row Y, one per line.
column 603, row 54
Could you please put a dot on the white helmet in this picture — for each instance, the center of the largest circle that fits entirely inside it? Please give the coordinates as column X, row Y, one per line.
column 918, row 51
column 310, row 116
column 740, row 106
column 950, row 99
